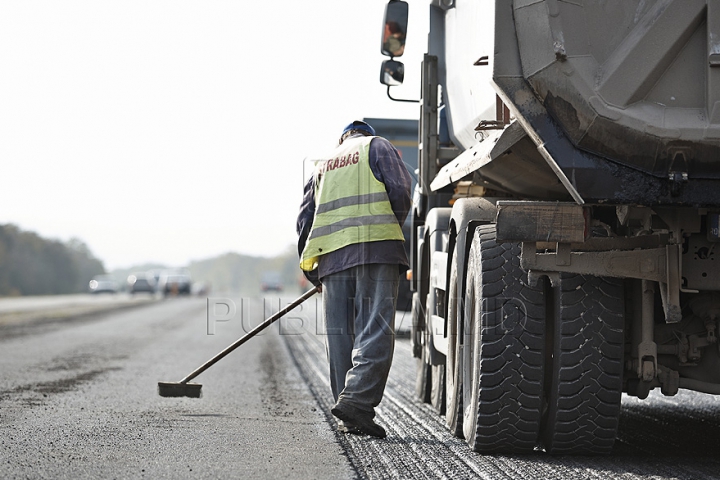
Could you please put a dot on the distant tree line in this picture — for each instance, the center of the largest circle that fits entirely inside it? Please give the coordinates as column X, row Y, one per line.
column 234, row 272
column 32, row 265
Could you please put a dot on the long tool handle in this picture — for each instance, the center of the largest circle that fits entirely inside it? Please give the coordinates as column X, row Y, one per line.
column 249, row 335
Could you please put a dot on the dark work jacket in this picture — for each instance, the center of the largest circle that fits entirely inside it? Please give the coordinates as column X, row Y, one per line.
column 387, row 167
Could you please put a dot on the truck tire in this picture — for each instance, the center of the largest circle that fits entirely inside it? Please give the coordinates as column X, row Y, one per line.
column 436, row 383
column 423, row 380
column 453, row 363
column 586, row 374
column 422, row 366
column 437, row 391
column 504, row 351
column 417, row 328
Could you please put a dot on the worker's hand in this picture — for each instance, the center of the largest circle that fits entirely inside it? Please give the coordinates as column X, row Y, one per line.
column 319, row 288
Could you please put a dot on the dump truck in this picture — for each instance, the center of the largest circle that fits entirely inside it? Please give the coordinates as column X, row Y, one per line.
column 564, row 225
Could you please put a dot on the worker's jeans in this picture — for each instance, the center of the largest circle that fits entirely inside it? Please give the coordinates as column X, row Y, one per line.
column 359, row 310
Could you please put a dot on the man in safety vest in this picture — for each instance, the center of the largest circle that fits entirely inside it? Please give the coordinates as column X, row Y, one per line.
column 351, row 242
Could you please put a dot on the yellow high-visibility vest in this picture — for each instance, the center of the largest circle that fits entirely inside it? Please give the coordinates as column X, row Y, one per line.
column 352, row 205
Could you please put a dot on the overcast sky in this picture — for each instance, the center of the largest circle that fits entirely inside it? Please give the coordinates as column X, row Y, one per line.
column 172, row 131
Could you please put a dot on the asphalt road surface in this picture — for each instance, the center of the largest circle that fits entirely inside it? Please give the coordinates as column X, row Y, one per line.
column 78, row 399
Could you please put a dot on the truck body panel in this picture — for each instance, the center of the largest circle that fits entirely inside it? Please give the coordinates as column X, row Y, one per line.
column 620, row 94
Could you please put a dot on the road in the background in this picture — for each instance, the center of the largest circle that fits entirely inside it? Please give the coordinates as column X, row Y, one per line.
column 24, row 311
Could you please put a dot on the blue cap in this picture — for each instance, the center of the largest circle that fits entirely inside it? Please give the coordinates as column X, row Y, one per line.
column 358, row 125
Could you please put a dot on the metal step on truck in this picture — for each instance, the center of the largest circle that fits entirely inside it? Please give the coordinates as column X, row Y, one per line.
column 565, row 225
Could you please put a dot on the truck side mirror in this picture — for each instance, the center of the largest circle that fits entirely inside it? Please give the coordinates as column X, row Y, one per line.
column 395, row 28
column 392, row 73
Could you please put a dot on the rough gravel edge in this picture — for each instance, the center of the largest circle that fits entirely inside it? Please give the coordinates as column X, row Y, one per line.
column 14, row 325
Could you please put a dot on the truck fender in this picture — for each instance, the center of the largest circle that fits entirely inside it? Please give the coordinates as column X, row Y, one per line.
column 467, row 214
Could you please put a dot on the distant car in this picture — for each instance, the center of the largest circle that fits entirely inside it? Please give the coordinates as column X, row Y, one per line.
column 201, row 288
column 271, row 282
column 154, row 275
column 175, row 284
column 103, row 284
column 139, row 282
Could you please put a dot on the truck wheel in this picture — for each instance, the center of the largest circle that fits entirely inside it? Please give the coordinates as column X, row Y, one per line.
column 422, row 366
column 586, row 378
column 436, row 383
column 423, row 380
column 503, row 354
column 417, row 328
column 437, row 392
column 453, row 364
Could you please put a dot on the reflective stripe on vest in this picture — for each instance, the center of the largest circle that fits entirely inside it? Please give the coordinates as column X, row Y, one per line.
column 352, row 205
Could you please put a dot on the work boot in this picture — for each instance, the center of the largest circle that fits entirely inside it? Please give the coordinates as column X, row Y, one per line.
column 362, row 421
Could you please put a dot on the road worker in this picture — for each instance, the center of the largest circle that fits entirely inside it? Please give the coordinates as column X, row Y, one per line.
column 351, row 243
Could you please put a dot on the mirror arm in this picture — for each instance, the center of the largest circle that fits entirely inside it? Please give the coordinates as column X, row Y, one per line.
column 399, row 99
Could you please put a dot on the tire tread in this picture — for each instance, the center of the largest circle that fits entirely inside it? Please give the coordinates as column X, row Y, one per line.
column 584, row 400
column 511, row 372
